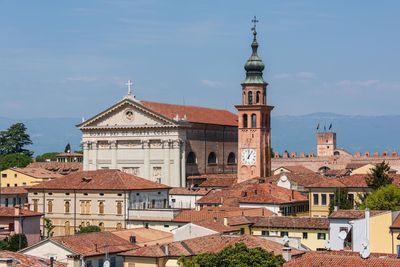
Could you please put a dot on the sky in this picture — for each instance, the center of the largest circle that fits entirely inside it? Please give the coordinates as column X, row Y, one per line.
column 73, row 58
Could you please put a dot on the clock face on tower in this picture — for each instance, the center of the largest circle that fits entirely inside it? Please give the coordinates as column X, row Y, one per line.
column 249, row 156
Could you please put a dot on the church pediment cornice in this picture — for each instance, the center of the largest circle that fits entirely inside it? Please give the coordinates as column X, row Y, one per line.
column 135, row 104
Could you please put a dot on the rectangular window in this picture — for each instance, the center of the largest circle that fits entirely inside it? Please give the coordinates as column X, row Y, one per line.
column 66, row 206
column 113, row 262
column 49, row 206
column 85, row 206
column 315, row 199
column 305, row 235
column 265, row 233
column 6, row 202
column 15, row 175
column 242, row 231
column 323, row 199
column 4, row 175
column 101, row 207
column 100, row 263
column 119, row 207
column 284, row 233
column 321, row 236
column 35, row 205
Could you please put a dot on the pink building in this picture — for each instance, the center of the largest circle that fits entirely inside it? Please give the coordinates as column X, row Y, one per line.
column 15, row 220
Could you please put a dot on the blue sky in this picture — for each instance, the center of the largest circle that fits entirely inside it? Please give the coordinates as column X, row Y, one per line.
column 72, row 58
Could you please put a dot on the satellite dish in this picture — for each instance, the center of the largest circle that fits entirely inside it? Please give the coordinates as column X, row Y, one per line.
column 328, row 245
column 284, row 178
column 285, row 241
column 342, row 235
column 365, row 253
column 106, row 263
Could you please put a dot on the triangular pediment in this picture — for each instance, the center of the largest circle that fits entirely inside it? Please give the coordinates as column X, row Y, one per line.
column 127, row 113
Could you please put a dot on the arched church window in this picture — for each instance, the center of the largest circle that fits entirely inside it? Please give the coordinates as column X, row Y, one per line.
column 258, row 97
column 191, row 158
column 231, row 159
column 253, row 120
column 244, row 120
column 212, row 158
column 250, row 98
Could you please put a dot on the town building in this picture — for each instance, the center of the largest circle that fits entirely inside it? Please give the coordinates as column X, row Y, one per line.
column 12, row 196
column 18, row 220
column 86, row 249
column 16, row 259
column 186, row 198
column 110, row 199
column 25, row 176
column 160, row 142
column 395, row 235
column 69, row 157
column 359, row 230
column 168, row 254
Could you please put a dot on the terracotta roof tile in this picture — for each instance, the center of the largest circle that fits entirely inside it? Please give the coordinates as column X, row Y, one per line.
column 219, row 212
column 40, row 173
column 13, row 212
column 208, row 244
column 145, row 236
column 396, row 223
column 194, row 114
column 270, row 193
column 299, row 179
column 217, row 226
column 354, row 214
column 22, row 260
column 99, row 180
column 91, row 244
column 14, row 190
column 298, row 169
column 290, row 222
column 343, row 259
column 60, row 167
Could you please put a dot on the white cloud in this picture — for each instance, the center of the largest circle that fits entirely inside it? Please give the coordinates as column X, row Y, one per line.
column 365, row 83
column 303, row 75
column 212, row 84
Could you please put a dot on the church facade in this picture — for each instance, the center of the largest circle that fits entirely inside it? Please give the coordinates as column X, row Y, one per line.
column 160, row 142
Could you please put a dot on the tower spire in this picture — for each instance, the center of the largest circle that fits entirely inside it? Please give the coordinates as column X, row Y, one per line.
column 254, row 66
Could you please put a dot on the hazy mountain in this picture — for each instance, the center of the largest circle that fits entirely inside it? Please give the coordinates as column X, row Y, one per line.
column 292, row 133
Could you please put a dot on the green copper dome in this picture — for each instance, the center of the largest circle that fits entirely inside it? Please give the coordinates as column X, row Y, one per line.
column 254, row 66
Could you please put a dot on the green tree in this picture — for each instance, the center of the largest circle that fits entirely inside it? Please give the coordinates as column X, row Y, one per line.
column 14, row 139
column 17, row 242
column 341, row 200
column 47, row 156
column 67, row 148
column 238, row 255
column 385, row 198
column 14, row 160
column 88, row 229
column 48, row 227
column 379, row 176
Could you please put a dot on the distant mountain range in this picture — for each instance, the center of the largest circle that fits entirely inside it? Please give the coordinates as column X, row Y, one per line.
column 292, row 133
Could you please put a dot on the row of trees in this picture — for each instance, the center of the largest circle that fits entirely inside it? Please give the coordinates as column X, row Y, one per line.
column 385, row 195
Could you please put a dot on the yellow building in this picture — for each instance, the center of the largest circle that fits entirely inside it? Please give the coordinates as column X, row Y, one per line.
column 26, row 176
column 308, row 233
column 322, row 193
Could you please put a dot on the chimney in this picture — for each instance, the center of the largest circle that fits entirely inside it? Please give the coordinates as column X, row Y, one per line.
column 335, row 208
column 287, row 253
column 165, row 249
column 292, row 197
column 225, row 221
column 132, row 239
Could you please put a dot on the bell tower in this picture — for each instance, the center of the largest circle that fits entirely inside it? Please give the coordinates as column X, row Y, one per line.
column 254, row 129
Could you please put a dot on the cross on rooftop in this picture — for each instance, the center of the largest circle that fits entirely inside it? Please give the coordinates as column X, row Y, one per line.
column 254, row 20
column 129, row 83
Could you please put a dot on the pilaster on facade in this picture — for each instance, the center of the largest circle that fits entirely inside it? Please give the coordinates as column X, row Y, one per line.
column 94, row 147
column 113, row 148
column 85, row 146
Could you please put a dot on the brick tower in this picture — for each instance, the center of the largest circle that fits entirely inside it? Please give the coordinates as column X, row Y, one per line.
column 254, row 136
column 326, row 144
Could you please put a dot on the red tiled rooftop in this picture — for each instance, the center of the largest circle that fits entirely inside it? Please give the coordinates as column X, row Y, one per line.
column 354, row 214
column 13, row 211
column 300, row 179
column 40, row 173
column 396, row 223
column 91, row 244
column 271, row 194
column 208, row 244
column 145, row 236
column 297, row 169
column 217, row 226
column 60, row 167
column 194, row 114
column 343, row 259
column 99, row 180
column 14, row 190
column 290, row 222
column 22, row 260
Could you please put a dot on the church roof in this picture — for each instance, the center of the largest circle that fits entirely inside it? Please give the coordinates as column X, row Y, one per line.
column 193, row 114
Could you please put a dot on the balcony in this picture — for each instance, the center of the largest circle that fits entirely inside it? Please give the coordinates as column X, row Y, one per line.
column 153, row 214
